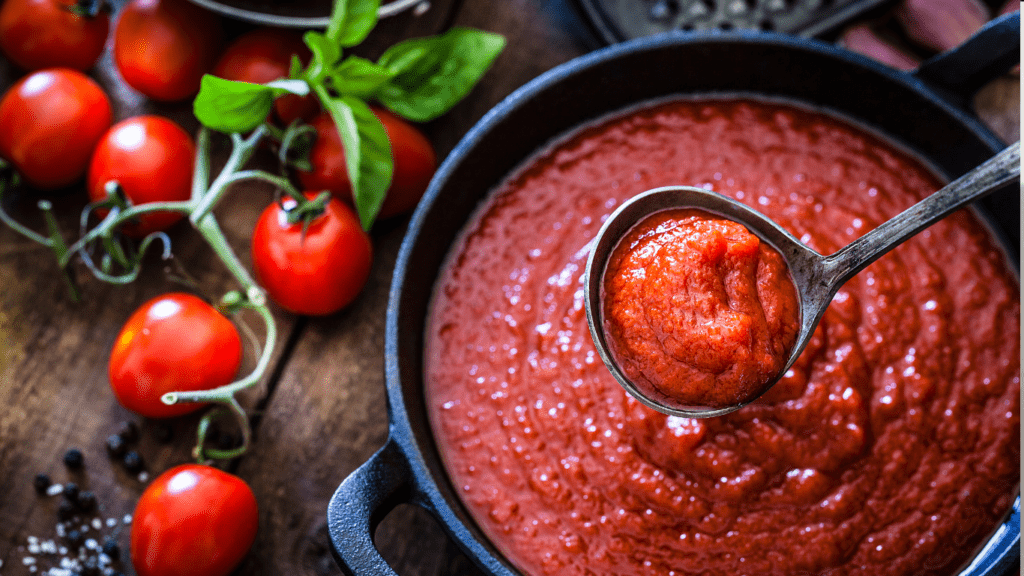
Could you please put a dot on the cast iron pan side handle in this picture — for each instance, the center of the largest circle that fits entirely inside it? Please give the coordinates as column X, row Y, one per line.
column 359, row 504
column 983, row 57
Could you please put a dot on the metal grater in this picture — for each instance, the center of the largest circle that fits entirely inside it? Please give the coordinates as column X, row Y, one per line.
column 618, row 20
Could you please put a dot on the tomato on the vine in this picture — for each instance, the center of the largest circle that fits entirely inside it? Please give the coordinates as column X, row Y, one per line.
column 414, row 163
column 174, row 342
column 37, row 34
column 193, row 520
column 163, row 47
column 50, row 122
column 151, row 157
column 263, row 55
column 317, row 268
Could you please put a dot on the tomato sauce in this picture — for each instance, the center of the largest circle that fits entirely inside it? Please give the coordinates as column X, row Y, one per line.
column 698, row 311
column 890, row 447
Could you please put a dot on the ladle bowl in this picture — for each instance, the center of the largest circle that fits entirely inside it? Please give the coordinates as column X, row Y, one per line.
column 816, row 277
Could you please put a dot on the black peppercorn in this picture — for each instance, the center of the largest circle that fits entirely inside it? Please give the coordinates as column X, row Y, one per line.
column 41, row 482
column 71, row 492
column 65, row 510
column 110, row 548
column 132, row 461
column 116, row 446
column 129, row 431
column 74, row 459
column 86, row 501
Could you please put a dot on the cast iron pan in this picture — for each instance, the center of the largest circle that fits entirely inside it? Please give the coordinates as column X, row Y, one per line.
column 914, row 109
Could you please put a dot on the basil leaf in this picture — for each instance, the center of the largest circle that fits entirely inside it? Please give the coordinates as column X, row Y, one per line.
column 352, row 20
column 367, row 153
column 359, row 77
column 432, row 74
column 324, row 54
column 230, row 106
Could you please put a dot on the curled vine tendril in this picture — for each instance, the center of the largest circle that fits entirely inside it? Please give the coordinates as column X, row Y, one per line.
column 114, row 258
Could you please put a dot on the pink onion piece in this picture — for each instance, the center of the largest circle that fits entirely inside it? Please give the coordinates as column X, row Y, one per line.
column 863, row 40
column 941, row 24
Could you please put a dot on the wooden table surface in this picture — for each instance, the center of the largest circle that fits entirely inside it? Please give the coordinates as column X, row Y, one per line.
column 319, row 413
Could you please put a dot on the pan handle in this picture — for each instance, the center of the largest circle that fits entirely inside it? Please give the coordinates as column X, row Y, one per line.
column 959, row 73
column 359, row 504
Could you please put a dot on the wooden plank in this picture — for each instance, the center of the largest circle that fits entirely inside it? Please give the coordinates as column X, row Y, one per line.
column 53, row 351
column 327, row 415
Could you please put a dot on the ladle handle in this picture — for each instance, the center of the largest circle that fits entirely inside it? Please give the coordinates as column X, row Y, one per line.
column 993, row 174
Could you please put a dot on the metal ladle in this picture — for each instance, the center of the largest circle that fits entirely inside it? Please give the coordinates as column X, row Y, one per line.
column 817, row 278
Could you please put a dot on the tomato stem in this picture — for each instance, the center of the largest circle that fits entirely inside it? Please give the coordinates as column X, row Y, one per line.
column 201, row 453
column 255, row 300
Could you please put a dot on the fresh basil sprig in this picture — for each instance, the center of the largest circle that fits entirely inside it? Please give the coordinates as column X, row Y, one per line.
column 418, row 79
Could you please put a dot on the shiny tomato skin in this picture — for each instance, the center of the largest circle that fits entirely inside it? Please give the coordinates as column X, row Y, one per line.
column 174, row 342
column 37, row 34
column 415, row 163
column 162, row 48
column 193, row 520
column 50, row 122
column 152, row 158
column 316, row 272
column 264, row 55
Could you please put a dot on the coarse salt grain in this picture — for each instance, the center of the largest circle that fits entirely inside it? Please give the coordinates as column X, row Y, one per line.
column 143, row 477
column 127, row 519
column 92, row 544
column 97, row 523
column 111, row 522
column 54, row 489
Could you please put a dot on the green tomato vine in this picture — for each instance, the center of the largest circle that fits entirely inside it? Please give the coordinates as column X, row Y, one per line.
column 417, row 79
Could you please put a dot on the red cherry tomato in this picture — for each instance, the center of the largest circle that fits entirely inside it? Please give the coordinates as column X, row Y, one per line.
column 193, row 520
column 50, row 122
column 37, row 34
column 415, row 163
column 317, row 271
column 264, row 55
column 175, row 342
column 163, row 47
column 151, row 157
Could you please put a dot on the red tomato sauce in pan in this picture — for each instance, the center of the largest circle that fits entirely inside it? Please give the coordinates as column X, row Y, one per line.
column 890, row 447
column 698, row 311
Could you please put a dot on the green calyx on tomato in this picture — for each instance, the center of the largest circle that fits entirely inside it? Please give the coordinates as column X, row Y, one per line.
column 417, row 79
column 89, row 8
column 315, row 266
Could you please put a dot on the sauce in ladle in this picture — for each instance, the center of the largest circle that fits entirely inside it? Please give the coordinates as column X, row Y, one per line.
column 817, row 279
column 699, row 312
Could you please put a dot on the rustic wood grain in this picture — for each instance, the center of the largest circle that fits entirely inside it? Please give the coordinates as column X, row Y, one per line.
column 332, row 387
column 321, row 411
